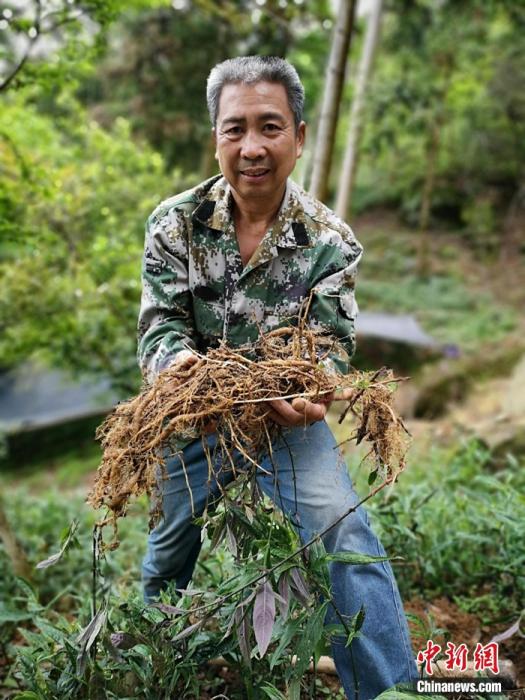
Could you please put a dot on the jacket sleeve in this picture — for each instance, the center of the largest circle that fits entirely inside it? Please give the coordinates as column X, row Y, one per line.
column 165, row 326
column 333, row 308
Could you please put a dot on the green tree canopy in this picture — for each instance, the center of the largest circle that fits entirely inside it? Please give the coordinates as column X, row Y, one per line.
column 73, row 201
column 448, row 85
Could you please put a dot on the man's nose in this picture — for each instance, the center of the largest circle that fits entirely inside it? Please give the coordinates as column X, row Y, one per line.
column 252, row 146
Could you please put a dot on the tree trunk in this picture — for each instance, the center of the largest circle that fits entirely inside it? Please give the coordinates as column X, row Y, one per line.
column 437, row 121
column 513, row 228
column 432, row 151
column 346, row 181
column 335, row 74
column 13, row 548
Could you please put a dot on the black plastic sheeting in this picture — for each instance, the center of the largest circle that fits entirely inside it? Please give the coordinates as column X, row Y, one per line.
column 32, row 397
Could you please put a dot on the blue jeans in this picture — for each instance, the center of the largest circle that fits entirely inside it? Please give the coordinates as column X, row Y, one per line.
column 313, row 488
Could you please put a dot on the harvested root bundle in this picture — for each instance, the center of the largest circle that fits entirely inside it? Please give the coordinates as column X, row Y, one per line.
column 230, row 387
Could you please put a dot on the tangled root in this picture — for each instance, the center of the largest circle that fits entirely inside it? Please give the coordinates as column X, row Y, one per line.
column 229, row 388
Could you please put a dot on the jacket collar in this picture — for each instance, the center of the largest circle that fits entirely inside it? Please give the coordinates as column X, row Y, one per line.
column 214, row 211
column 289, row 230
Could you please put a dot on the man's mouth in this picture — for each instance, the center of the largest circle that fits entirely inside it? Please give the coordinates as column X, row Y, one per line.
column 255, row 172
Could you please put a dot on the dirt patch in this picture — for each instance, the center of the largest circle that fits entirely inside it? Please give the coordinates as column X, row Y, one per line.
column 442, row 620
column 450, row 250
column 512, row 649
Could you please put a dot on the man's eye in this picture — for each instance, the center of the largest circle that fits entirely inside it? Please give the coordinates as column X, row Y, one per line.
column 234, row 130
column 271, row 127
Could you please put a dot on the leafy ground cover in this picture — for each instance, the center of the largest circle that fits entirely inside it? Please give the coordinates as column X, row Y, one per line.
column 458, row 526
column 458, row 302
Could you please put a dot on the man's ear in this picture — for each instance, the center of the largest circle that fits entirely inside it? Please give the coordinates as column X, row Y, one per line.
column 214, row 137
column 300, row 138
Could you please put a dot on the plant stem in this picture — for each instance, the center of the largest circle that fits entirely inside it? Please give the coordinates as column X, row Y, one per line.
column 266, row 572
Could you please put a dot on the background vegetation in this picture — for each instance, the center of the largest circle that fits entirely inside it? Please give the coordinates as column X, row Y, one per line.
column 102, row 114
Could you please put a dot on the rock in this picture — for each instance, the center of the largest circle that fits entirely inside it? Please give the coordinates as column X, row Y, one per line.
column 515, row 397
column 507, row 672
column 495, row 415
column 451, row 381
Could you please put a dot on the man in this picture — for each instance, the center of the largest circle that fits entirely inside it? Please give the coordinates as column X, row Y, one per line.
column 233, row 257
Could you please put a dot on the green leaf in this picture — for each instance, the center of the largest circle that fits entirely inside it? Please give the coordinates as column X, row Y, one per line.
column 316, row 550
column 313, row 631
column 405, row 691
column 272, row 692
column 294, row 689
column 360, row 618
column 290, row 629
column 67, row 538
column 49, row 631
column 356, row 624
column 7, row 615
column 30, row 593
column 355, row 558
column 34, row 640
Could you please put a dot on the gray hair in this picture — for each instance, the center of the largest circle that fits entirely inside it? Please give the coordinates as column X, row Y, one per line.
column 254, row 69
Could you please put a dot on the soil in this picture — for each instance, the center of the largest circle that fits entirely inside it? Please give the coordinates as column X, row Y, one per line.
column 481, row 270
column 460, row 627
column 457, row 626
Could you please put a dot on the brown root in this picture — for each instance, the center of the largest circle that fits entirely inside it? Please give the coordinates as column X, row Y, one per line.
column 230, row 387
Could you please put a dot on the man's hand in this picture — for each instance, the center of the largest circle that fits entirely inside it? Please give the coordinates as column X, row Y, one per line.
column 185, row 359
column 303, row 412
column 299, row 412
column 289, row 415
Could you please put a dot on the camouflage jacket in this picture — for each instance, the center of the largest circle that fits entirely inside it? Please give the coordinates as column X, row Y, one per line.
column 197, row 293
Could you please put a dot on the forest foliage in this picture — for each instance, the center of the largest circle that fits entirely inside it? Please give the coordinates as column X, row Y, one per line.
column 107, row 116
column 142, row 651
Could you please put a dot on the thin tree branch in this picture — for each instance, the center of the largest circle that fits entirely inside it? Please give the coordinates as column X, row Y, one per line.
column 32, row 40
column 60, row 23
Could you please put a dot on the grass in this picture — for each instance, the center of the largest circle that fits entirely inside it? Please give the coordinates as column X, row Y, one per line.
column 458, row 523
column 65, row 471
column 450, row 302
column 459, row 527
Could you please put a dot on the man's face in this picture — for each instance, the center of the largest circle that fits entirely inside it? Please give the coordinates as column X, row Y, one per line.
column 256, row 140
